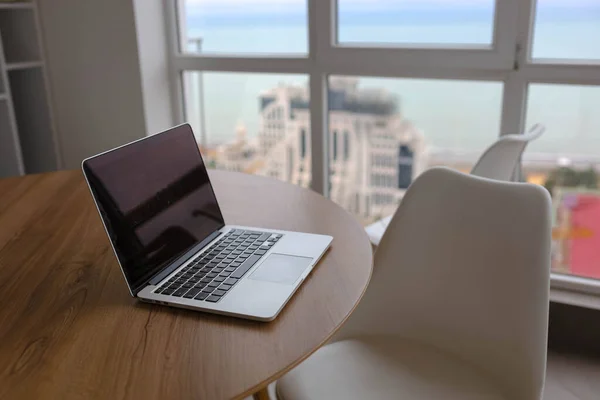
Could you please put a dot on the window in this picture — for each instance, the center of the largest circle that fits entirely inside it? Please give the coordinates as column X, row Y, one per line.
column 566, row 161
column 302, row 143
column 567, row 30
column 346, row 146
column 405, row 167
column 392, row 88
column 334, row 146
column 413, row 22
column 244, row 27
column 405, row 126
column 231, row 116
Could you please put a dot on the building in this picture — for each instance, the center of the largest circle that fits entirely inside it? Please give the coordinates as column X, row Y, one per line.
column 241, row 155
column 374, row 152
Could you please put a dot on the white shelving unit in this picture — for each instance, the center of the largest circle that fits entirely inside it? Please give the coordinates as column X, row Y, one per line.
column 27, row 137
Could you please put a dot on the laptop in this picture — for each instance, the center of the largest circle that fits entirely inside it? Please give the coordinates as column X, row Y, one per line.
column 170, row 239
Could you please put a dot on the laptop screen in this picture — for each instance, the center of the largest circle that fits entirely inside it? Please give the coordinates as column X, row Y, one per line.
column 155, row 199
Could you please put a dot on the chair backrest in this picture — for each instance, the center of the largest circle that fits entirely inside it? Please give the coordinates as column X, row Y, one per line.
column 465, row 266
column 501, row 159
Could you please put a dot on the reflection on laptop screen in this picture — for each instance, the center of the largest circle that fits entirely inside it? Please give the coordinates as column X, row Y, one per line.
column 155, row 199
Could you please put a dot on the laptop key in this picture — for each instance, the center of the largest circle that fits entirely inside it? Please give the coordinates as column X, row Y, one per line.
column 225, row 287
column 230, row 281
column 213, row 299
column 191, row 293
column 238, row 273
column 201, row 296
column 219, row 292
column 180, row 292
column 167, row 292
column 219, row 279
column 260, row 252
column 264, row 237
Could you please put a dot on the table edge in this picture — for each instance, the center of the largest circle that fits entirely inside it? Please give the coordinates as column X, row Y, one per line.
column 266, row 382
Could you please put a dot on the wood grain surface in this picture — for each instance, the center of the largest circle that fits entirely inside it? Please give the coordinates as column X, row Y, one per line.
column 70, row 330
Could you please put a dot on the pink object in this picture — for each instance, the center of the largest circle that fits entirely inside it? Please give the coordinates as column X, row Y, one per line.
column 585, row 250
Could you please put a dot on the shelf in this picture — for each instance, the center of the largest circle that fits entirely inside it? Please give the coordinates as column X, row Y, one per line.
column 28, row 92
column 18, row 5
column 10, row 152
column 23, row 65
column 19, row 35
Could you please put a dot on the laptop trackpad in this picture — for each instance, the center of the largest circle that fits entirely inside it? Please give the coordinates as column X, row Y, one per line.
column 281, row 268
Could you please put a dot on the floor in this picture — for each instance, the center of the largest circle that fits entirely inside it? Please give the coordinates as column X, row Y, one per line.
column 572, row 378
column 568, row 377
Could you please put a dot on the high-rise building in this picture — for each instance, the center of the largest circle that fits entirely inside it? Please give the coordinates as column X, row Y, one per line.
column 374, row 153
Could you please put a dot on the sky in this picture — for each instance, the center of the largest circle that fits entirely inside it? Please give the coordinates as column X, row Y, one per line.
column 365, row 4
column 249, row 8
column 232, row 98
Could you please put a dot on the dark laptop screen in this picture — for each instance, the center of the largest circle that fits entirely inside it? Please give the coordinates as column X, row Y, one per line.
column 156, row 201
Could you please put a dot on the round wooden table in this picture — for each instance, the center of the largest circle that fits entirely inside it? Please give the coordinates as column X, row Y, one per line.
column 70, row 329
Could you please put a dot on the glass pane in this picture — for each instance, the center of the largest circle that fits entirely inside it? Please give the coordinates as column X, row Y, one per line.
column 567, row 29
column 566, row 160
column 252, row 123
column 244, row 26
column 384, row 132
column 443, row 22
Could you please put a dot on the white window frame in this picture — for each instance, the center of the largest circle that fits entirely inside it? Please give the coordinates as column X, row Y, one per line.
column 507, row 60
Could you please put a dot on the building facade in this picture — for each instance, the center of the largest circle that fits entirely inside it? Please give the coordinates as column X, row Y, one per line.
column 374, row 154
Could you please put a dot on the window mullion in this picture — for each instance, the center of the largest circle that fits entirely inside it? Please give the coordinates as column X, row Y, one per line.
column 282, row 65
column 320, row 39
column 506, row 34
column 175, row 77
column 526, row 13
column 515, row 86
column 513, row 104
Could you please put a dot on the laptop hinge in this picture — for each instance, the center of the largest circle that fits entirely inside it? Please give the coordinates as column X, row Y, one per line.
column 181, row 260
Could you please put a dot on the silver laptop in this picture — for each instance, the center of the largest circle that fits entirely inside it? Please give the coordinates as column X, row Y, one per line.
column 174, row 248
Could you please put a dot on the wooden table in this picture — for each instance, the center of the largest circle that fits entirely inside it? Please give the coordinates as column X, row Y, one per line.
column 70, row 329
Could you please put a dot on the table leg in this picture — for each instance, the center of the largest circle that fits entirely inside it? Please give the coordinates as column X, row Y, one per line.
column 262, row 394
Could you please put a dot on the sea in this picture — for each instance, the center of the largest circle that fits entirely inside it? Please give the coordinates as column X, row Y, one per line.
column 453, row 115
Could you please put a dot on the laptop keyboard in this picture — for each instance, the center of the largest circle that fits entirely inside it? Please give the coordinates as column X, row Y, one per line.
column 213, row 273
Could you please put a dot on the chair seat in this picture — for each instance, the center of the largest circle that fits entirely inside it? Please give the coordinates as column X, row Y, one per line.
column 385, row 368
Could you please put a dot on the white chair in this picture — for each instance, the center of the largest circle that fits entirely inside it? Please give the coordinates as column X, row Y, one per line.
column 457, row 307
column 499, row 161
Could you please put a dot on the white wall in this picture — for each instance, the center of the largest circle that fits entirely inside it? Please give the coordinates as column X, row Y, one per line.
column 95, row 75
column 154, row 63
